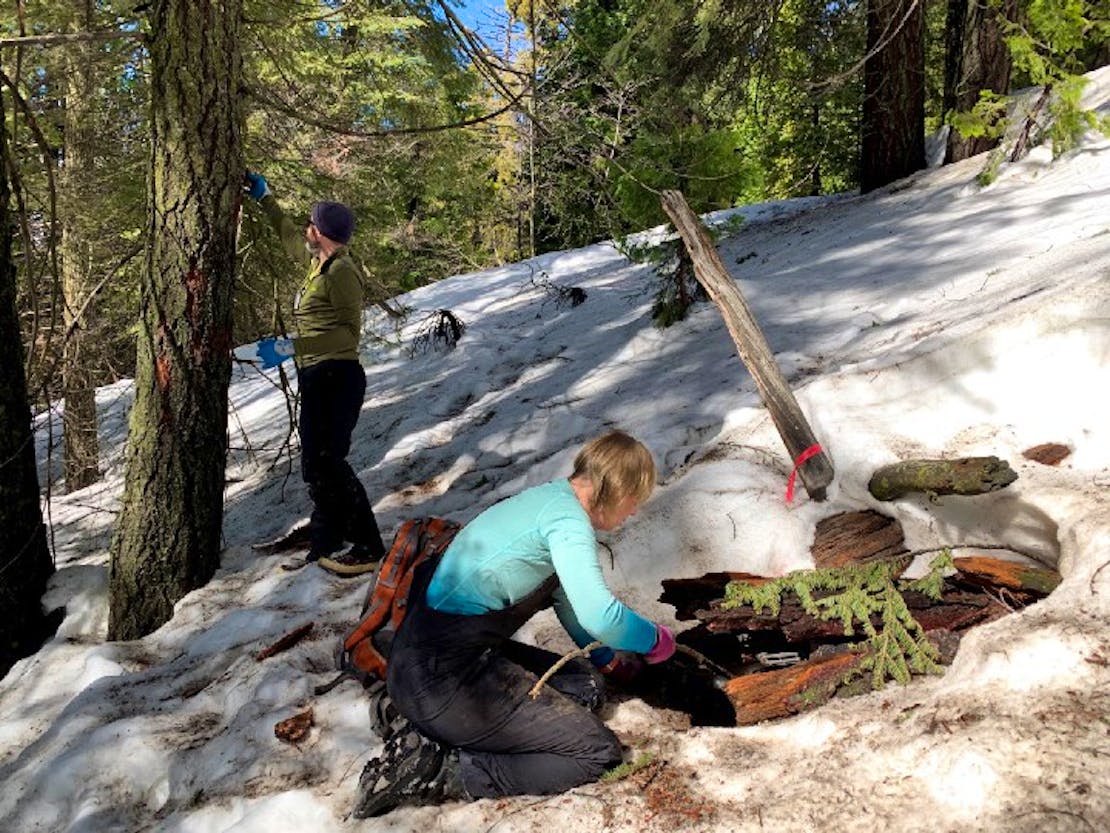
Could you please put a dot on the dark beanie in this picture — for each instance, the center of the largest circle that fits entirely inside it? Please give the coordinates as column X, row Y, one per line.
column 333, row 220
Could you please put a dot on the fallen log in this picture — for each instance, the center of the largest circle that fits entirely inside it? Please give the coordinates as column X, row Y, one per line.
column 689, row 595
column 831, row 671
column 956, row 610
column 965, row 476
column 787, row 691
column 857, row 538
column 983, row 571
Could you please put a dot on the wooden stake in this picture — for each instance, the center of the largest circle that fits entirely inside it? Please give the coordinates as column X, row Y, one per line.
column 817, row 471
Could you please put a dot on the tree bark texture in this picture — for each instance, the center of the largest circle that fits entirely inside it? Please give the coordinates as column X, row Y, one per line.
column 965, row 476
column 982, row 571
column 816, row 472
column 857, row 538
column 774, row 694
column 689, row 595
column 82, row 457
column 893, row 124
column 976, row 59
column 25, row 562
column 167, row 541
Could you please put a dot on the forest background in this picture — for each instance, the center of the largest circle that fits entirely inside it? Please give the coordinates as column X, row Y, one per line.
column 130, row 124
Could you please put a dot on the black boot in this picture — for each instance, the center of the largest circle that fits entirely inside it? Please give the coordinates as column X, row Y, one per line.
column 385, row 720
column 412, row 771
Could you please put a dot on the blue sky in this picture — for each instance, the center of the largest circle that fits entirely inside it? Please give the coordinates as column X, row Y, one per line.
column 480, row 15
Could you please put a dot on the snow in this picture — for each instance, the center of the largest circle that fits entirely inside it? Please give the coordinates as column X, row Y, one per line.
column 934, row 318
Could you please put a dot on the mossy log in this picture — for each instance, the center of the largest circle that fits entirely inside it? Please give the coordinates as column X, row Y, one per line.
column 956, row 610
column 773, row 694
column 965, row 476
column 1013, row 575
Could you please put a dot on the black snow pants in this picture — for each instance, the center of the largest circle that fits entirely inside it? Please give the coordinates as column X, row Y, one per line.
column 463, row 682
column 331, row 399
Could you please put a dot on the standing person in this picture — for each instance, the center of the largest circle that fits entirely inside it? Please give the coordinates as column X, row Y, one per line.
column 327, row 313
column 462, row 683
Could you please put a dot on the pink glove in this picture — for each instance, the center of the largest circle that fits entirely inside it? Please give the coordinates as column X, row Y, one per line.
column 664, row 646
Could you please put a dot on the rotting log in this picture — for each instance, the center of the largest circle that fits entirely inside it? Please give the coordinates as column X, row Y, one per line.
column 857, row 538
column 964, row 476
column 956, row 610
column 996, row 572
column 689, row 595
column 816, row 472
column 787, row 691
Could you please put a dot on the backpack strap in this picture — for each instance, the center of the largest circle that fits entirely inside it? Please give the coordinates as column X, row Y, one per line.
column 386, row 600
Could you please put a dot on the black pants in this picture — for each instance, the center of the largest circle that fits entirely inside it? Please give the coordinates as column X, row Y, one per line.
column 463, row 682
column 331, row 399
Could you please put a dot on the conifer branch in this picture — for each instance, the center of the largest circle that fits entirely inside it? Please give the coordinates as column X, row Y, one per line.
column 858, row 595
column 64, row 39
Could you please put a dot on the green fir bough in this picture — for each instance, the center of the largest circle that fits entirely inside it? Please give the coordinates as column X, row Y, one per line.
column 867, row 596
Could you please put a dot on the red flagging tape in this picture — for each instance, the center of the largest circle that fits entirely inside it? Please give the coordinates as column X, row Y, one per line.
column 812, row 451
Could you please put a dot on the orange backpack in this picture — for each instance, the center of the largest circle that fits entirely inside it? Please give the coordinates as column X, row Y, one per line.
column 366, row 648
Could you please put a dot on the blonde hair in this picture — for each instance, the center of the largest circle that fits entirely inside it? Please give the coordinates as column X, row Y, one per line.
column 618, row 466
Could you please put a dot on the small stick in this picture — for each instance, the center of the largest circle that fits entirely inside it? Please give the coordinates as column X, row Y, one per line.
column 581, row 652
column 286, row 642
column 704, row 661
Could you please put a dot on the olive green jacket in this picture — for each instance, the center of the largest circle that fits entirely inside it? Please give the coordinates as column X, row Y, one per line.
column 327, row 311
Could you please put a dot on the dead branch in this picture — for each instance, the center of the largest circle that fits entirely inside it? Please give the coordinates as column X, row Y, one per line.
column 286, row 642
column 534, row 692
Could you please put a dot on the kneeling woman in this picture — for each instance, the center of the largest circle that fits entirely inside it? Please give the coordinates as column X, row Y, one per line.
column 460, row 680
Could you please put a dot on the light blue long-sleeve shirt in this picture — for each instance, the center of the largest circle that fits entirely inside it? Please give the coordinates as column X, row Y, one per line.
column 511, row 548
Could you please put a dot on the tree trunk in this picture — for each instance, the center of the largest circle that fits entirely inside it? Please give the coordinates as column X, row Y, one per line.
column 816, row 470
column 893, row 125
column 25, row 562
column 79, row 418
column 167, row 541
column 976, row 59
column 966, row 476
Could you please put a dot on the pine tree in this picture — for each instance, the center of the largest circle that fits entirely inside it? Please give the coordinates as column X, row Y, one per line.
column 25, row 562
column 167, row 538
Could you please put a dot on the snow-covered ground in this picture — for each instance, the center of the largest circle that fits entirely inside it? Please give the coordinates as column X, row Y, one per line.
column 933, row 318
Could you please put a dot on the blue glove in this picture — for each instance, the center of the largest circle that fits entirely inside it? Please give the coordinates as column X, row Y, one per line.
column 273, row 351
column 256, row 185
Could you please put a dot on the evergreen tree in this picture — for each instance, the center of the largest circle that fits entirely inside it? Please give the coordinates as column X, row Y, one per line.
column 25, row 562
column 167, row 537
column 893, row 119
column 976, row 61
